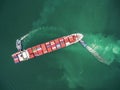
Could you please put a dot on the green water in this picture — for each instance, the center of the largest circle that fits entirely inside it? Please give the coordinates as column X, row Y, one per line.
column 71, row 68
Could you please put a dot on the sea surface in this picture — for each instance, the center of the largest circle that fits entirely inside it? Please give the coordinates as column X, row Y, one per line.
column 70, row 68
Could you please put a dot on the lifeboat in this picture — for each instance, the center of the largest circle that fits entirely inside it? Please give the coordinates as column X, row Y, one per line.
column 46, row 47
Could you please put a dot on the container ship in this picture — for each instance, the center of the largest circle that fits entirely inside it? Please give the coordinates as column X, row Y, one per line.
column 46, row 47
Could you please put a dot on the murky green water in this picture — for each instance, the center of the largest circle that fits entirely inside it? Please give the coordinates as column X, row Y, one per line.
column 71, row 68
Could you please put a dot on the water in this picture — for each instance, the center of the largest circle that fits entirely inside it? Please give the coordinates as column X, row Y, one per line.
column 71, row 68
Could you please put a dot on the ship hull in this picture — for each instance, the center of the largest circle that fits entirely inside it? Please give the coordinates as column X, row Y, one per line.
column 46, row 47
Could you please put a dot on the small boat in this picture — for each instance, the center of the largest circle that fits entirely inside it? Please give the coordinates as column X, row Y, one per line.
column 46, row 47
